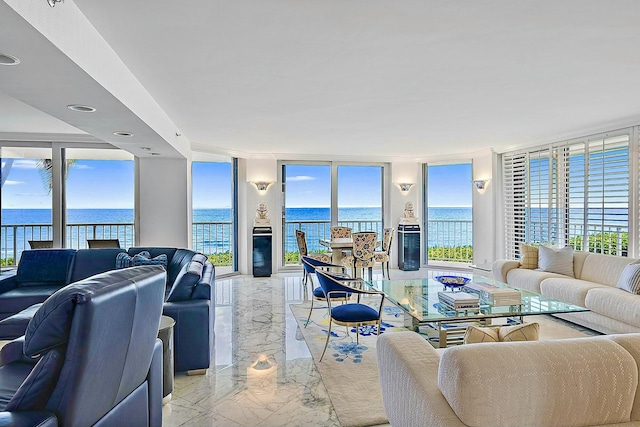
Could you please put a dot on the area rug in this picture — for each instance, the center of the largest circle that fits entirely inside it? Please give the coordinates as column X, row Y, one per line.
column 349, row 371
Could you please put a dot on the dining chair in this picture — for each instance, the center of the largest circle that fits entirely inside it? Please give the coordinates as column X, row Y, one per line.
column 311, row 266
column 340, row 232
column 364, row 244
column 103, row 243
column 383, row 256
column 301, row 239
column 41, row 244
column 350, row 314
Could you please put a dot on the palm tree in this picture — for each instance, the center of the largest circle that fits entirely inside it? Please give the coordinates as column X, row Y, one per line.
column 45, row 169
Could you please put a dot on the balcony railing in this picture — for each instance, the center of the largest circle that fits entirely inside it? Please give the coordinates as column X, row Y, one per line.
column 610, row 239
column 15, row 238
column 450, row 240
column 213, row 237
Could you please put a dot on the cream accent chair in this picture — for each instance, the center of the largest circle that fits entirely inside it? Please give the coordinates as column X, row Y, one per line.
column 363, row 245
column 576, row 382
column 384, row 256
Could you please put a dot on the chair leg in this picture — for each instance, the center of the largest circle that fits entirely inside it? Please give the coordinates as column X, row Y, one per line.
column 327, row 342
column 388, row 277
column 310, row 310
column 357, row 334
column 371, row 273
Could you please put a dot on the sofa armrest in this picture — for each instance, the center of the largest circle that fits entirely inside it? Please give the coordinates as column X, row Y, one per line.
column 501, row 267
column 192, row 333
column 8, row 283
column 408, row 368
column 14, row 352
column 28, row 419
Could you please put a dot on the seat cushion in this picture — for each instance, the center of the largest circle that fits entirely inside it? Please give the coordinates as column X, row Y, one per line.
column 45, row 267
column 18, row 299
column 539, row 383
column 573, row 291
column 529, row 280
column 16, row 325
column 615, row 303
column 12, row 376
column 380, row 257
column 93, row 261
column 354, row 313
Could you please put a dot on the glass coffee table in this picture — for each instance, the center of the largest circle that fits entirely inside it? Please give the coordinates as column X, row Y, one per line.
column 424, row 312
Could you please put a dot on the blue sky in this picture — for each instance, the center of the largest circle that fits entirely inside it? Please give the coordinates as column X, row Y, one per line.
column 90, row 184
column 309, row 186
column 104, row 184
column 450, row 185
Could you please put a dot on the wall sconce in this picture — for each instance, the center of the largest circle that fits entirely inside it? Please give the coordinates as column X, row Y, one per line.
column 480, row 184
column 262, row 186
column 404, row 186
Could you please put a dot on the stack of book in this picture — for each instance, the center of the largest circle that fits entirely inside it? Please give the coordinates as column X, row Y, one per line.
column 459, row 300
column 494, row 295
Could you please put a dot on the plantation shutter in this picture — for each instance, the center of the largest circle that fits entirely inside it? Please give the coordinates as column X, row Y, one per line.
column 514, row 167
column 570, row 193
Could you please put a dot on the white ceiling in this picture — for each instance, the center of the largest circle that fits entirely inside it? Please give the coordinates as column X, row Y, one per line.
column 406, row 79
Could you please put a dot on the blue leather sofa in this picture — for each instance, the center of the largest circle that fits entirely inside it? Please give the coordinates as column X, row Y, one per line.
column 90, row 355
column 189, row 299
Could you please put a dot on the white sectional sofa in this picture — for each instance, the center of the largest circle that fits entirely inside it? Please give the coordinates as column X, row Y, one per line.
column 612, row 310
column 586, row 381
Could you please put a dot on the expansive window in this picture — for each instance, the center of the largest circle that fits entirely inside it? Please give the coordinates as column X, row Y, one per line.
column 99, row 194
column 213, row 201
column 318, row 196
column 26, row 201
column 570, row 193
column 448, row 223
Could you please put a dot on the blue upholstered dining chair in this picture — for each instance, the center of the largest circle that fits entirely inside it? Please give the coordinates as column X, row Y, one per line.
column 311, row 265
column 350, row 314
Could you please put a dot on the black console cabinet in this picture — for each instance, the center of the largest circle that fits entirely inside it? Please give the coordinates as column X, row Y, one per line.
column 409, row 247
column 262, row 253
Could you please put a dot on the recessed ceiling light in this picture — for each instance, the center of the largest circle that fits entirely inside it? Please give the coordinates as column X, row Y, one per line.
column 81, row 108
column 146, row 148
column 155, row 154
column 8, row 59
column 122, row 133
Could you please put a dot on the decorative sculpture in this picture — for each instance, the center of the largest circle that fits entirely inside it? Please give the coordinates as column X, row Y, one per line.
column 262, row 215
column 408, row 217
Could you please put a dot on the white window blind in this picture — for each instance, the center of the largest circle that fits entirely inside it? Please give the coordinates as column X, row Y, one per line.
column 569, row 193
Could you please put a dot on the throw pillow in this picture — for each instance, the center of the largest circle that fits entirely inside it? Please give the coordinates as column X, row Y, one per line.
column 630, row 279
column 124, row 260
column 140, row 259
column 528, row 256
column 558, row 261
column 524, row 332
column 184, row 284
column 476, row 334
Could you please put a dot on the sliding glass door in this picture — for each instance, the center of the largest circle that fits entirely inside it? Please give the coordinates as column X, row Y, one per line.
column 318, row 196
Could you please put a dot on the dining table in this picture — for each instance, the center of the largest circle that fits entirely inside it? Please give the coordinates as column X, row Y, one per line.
column 337, row 246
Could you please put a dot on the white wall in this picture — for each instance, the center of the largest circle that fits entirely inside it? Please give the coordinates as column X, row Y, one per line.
column 403, row 172
column 484, row 209
column 252, row 170
column 163, row 202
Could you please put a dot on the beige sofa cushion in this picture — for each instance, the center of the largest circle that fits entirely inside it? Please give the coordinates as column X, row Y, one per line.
column 529, row 280
column 604, row 269
column 539, row 383
column 615, row 303
column 631, row 343
column 573, row 291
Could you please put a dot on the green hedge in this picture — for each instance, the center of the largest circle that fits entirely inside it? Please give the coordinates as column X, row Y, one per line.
column 454, row 253
column 603, row 243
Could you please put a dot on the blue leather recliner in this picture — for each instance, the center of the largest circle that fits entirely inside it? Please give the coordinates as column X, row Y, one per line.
column 189, row 298
column 90, row 355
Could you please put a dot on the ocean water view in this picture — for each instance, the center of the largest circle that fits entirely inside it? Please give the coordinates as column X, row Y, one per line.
column 207, row 237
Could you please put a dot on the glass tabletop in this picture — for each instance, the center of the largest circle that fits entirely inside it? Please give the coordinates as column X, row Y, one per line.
column 419, row 298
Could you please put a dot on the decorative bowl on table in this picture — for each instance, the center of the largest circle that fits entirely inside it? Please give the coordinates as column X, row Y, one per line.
column 453, row 282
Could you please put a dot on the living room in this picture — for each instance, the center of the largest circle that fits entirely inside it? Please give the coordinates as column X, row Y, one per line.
column 261, row 86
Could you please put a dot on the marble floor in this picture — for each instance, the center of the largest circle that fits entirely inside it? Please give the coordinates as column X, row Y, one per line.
column 253, row 324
